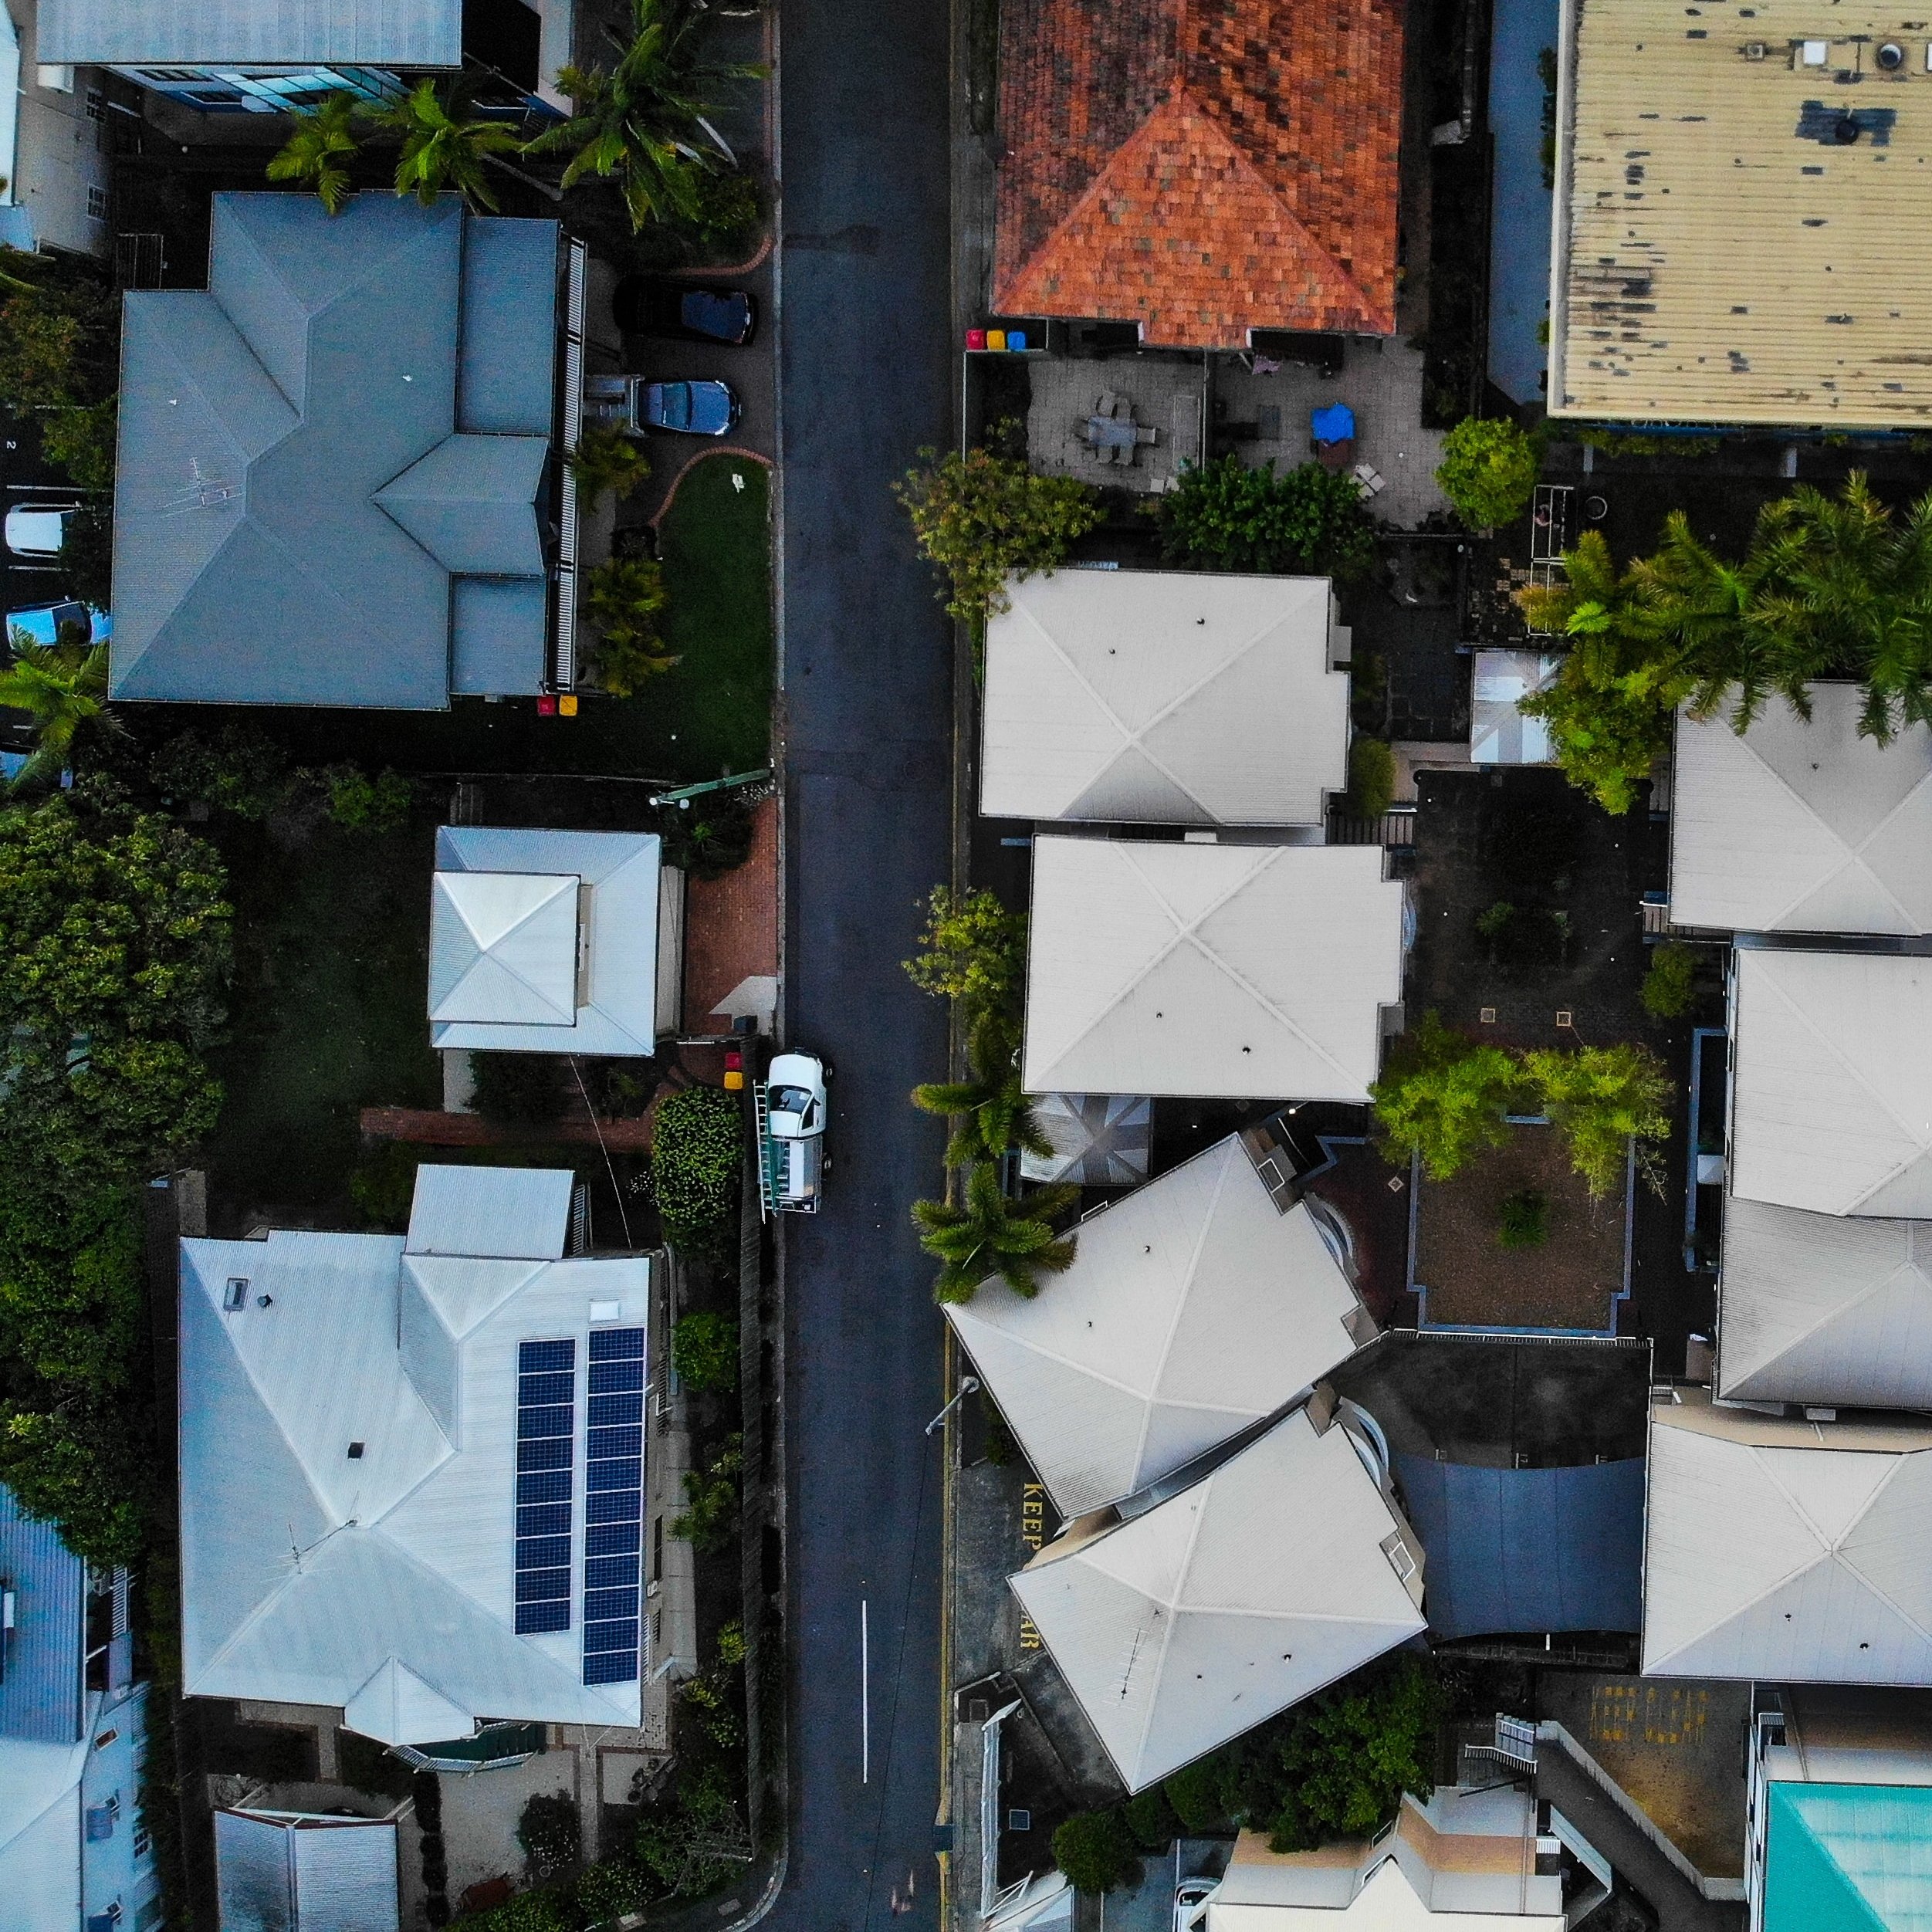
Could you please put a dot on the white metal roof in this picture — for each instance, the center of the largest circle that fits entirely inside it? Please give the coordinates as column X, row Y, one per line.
column 506, row 1214
column 1791, row 1551
column 1181, row 1628
column 40, row 1826
column 1825, row 1308
column 1164, row 697
column 383, row 1581
column 510, row 968
column 1193, row 1308
column 1797, row 827
column 368, row 33
column 1832, row 1081
column 1244, row 971
column 290, row 1873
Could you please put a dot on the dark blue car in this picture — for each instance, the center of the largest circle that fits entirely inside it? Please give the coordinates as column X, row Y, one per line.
column 692, row 408
column 643, row 306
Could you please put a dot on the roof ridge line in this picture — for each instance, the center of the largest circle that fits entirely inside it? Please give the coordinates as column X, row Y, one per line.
column 1907, row 1265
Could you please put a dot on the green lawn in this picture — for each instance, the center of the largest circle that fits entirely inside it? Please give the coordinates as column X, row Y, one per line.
column 329, row 1011
column 713, row 713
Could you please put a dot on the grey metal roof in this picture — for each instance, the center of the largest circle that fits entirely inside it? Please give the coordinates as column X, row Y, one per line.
column 497, row 630
column 506, row 373
column 40, row 1690
column 374, row 33
column 294, row 493
column 1515, row 1550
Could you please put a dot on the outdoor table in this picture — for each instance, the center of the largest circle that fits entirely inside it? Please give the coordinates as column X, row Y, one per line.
column 1111, row 432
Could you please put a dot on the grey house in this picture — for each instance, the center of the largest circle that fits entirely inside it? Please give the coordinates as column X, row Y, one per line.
column 339, row 479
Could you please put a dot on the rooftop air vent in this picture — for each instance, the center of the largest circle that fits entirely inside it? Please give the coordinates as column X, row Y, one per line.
column 1890, row 57
column 355, row 1452
column 1845, row 131
column 235, row 1296
column 1755, row 50
column 1813, row 53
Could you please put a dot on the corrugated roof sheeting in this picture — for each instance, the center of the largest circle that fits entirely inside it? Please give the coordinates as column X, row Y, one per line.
column 306, row 1875
column 1797, row 825
column 40, row 1694
column 1842, row 1858
column 1722, row 255
column 374, row 33
column 1512, row 1551
column 506, row 373
column 1824, row 1308
column 1163, row 697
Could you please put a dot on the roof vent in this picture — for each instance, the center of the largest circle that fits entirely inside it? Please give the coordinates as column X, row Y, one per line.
column 1845, row 131
column 1890, row 56
column 1813, row 53
column 355, row 1452
column 235, row 1296
column 1755, row 50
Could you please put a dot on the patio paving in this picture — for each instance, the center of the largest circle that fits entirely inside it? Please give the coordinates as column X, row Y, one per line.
column 480, row 1811
column 1166, row 396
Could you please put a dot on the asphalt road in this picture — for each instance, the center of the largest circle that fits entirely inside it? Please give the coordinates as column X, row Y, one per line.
column 866, row 670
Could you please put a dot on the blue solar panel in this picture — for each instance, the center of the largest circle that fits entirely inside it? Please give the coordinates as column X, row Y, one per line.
column 613, row 1506
column 545, row 1453
column 608, row 1377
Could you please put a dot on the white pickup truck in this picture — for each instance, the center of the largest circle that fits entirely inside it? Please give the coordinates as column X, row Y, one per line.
column 789, row 1104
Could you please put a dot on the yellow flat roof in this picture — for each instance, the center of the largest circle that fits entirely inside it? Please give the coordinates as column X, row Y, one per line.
column 1744, row 204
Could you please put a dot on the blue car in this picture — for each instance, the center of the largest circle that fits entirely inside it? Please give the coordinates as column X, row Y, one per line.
column 691, row 408
column 45, row 622
column 643, row 306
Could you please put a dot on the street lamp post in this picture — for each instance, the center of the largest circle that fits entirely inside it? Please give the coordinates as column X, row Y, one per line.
column 967, row 1384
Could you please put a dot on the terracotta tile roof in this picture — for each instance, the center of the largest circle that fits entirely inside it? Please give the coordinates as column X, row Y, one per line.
column 1200, row 167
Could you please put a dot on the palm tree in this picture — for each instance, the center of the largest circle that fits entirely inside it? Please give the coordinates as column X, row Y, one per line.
column 325, row 137
column 989, row 1234
column 992, row 1109
column 606, row 459
column 62, row 687
column 646, row 121
column 445, row 145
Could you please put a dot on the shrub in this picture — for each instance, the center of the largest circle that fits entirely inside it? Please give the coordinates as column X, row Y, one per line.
column 1601, row 1099
column 1371, row 777
column 610, row 1888
column 1096, row 1851
column 545, row 1911
column 1524, row 1222
column 710, row 838
column 1195, row 1793
column 697, row 1154
column 550, row 1831
column 358, row 803
column 382, row 1188
column 704, row 1350
column 690, row 1844
column 522, row 1089
column 87, row 554
column 1151, row 1819
column 1443, row 1098
column 1229, row 517
column 240, row 769
column 972, row 949
column 709, row 1520
column 1488, row 471
column 1668, row 990
column 728, row 213
column 624, row 599
column 980, row 518
column 606, row 461
column 427, row 1789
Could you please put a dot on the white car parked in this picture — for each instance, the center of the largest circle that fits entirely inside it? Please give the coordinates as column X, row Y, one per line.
column 38, row 530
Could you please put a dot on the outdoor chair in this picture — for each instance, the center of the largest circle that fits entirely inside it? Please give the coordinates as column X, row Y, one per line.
column 1123, row 409
column 1143, row 434
column 1104, row 406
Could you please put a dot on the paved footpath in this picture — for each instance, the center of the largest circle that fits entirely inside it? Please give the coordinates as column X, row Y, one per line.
column 863, row 318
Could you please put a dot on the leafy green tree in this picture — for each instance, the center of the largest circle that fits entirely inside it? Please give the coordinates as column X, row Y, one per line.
column 360, row 801
column 87, row 553
column 1668, row 986
column 709, row 1520
column 1095, row 1851
column 980, row 518
column 239, row 770
column 316, row 154
column 62, row 687
column 1151, row 1818
column 1602, row 1100
column 606, row 462
column 77, row 1463
column 1195, row 1793
column 697, row 1154
column 1225, row 516
column 972, row 949
column 989, row 1234
column 647, row 122
column 1488, row 471
column 59, row 355
column 444, row 146
column 624, row 597
column 80, row 440
column 1348, row 1755
column 1443, row 1098
column 691, row 1844
column 704, row 1350
column 991, row 1109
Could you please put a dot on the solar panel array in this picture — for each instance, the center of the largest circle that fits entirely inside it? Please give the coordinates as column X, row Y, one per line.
column 613, row 1506
column 546, row 1452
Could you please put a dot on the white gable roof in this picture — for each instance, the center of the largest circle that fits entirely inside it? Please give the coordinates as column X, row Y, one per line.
column 1825, row 1308
column 1799, row 828
column 1163, row 697
column 1182, row 1628
column 1243, row 971
column 504, row 948
column 1792, row 1551
column 383, row 1581
column 40, row 1828
column 504, row 1212
column 1194, row 1307
column 1832, row 1081
column 517, row 963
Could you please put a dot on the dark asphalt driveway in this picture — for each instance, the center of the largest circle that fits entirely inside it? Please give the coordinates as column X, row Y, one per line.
column 863, row 324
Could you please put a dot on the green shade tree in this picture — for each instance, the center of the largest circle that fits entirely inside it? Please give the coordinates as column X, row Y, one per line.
column 990, row 1109
column 1488, row 471
column 988, row 1234
column 980, row 518
column 326, row 138
column 704, row 1350
column 972, row 948
column 1349, row 1755
column 696, row 1840
column 1095, row 1851
column 1603, row 1100
column 646, row 122
column 62, row 687
column 1443, row 1098
column 1225, row 516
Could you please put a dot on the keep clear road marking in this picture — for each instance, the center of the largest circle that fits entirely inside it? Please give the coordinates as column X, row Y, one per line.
column 864, row 1697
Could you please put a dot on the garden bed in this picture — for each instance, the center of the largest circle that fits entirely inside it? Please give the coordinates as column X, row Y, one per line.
column 1467, row 1278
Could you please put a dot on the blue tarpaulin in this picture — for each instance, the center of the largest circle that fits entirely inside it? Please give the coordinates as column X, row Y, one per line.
column 1512, row 1551
column 1336, row 424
